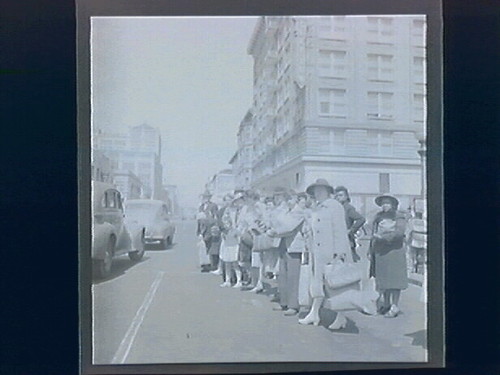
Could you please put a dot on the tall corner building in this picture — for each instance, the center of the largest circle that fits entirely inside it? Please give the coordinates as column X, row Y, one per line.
column 341, row 98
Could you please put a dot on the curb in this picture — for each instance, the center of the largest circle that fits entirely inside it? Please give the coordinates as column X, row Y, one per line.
column 416, row 279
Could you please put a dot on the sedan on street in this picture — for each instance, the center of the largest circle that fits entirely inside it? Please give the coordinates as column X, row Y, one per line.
column 155, row 217
column 111, row 237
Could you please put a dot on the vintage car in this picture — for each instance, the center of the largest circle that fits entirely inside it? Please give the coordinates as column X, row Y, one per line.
column 111, row 237
column 154, row 216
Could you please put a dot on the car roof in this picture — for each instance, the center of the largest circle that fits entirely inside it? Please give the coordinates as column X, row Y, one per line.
column 152, row 202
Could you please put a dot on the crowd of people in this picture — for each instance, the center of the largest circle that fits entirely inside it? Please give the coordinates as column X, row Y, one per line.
column 307, row 243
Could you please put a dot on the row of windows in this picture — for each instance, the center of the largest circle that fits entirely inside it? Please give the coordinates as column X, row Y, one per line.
column 380, row 105
column 335, row 27
column 333, row 63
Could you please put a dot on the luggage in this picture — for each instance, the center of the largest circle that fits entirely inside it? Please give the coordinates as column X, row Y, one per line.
column 204, row 258
column 339, row 274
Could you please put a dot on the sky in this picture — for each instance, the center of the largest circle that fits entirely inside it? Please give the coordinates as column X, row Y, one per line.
column 190, row 77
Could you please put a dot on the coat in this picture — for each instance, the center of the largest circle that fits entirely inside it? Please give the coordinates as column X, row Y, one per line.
column 329, row 239
column 388, row 255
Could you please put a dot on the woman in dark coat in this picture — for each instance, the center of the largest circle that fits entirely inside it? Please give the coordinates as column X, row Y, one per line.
column 387, row 254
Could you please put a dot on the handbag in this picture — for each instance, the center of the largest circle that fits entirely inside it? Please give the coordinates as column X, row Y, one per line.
column 262, row 242
column 339, row 274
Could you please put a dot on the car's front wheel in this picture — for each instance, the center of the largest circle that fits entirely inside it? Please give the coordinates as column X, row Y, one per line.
column 102, row 267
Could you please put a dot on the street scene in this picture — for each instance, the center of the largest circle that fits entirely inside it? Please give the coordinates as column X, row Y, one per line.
column 259, row 189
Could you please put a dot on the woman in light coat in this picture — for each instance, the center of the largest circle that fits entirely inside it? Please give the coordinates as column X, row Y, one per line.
column 329, row 240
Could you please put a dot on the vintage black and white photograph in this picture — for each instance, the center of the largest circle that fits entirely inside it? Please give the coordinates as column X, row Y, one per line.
column 259, row 189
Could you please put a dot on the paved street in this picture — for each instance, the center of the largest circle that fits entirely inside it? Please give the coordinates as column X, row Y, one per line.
column 164, row 310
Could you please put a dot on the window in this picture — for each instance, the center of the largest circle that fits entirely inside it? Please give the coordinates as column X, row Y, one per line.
column 380, row 67
column 418, row 107
column 380, row 105
column 384, row 183
column 418, row 69
column 332, row 28
column 332, row 63
column 356, row 142
column 418, row 27
column 332, row 102
column 380, row 26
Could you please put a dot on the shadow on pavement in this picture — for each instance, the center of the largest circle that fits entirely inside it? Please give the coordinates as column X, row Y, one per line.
column 120, row 266
column 159, row 247
column 419, row 338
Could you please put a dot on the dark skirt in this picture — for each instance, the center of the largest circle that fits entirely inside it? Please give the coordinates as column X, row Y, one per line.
column 244, row 253
column 391, row 270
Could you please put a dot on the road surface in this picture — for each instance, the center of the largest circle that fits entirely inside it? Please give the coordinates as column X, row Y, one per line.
column 164, row 310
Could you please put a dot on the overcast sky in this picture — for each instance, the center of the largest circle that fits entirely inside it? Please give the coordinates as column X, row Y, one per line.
column 189, row 77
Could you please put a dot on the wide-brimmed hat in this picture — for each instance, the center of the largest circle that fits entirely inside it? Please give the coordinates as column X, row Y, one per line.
column 381, row 198
column 319, row 182
column 206, row 194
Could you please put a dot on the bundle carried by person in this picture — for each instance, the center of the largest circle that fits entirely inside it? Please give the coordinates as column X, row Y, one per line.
column 203, row 256
column 340, row 273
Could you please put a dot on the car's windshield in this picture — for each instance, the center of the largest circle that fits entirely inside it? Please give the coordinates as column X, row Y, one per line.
column 142, row 209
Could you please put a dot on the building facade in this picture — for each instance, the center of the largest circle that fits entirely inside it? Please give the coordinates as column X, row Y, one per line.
column 220, row 184
column 138, row 151
column 128, row 184
column 242, row 161
column 340, row 98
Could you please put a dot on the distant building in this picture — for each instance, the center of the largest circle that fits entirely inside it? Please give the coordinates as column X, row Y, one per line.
column 128, row 184
column 138, row 151
column 173, row 196
column 101, row 167
column 220, row 184
column 339, row 98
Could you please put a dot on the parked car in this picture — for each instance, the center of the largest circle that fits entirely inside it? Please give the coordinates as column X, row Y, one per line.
column 155, row 217
column 111, row 237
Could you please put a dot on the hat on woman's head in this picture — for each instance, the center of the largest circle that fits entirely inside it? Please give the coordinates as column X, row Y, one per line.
column 319, row 182
column 207, row 194
column 386, row 197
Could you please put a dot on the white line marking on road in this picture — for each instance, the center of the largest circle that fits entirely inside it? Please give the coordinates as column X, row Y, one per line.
column 128, row 339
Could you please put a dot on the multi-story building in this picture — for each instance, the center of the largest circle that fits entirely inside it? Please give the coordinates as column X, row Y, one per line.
column 340, row 98
column 242, row 159
column 138, row 151
column 220, row 184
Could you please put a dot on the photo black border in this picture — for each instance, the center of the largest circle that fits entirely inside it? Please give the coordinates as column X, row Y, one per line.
column 436, row 297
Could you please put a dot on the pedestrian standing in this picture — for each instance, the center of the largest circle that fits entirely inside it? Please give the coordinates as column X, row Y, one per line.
column 329, row 241
column 387, row 254
column 288, row 226
column 230, row 242
column 213, row 240
column 226, row 201
column 354, row 220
